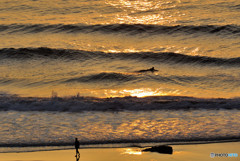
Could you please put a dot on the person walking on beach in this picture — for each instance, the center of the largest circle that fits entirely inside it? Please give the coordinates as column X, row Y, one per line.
column 77, row 147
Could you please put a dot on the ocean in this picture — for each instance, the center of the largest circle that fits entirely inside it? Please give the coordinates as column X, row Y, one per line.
column 76, row 68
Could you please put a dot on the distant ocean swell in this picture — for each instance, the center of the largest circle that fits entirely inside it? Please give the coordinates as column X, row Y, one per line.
column 121, row 28
column 164, row 57
column 113, row 77
column 127, row 77
column 102, row 77
column 79, row 104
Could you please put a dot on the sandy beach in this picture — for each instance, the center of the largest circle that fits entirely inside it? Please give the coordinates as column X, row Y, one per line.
column 197, row 152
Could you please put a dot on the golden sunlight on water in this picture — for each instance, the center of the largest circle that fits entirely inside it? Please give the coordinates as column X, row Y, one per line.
column 132, row 151
column 115, row 11
column 184, row 127
column 148, row 19
column 117, row 126
column 135, row 11
column 141, row 92
column 111, row 75
column 141, row 5
column 127, row 11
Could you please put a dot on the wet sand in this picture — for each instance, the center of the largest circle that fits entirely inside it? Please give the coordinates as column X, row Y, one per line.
column 196, row 152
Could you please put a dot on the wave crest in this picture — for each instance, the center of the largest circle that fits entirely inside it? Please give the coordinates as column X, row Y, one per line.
column 103, row 77
column 79, row 104
column 163, row 57
column 121, row 28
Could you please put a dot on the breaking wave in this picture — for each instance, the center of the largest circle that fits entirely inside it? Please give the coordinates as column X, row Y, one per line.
column 79, row 104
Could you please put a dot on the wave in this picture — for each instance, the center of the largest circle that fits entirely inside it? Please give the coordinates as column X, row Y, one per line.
column 160, row 57
column 112, row 78
column 103, row 77
column 79, row 104
column 121, row 28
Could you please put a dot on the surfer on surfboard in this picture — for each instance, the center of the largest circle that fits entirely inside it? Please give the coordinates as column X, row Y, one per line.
column 148, row 70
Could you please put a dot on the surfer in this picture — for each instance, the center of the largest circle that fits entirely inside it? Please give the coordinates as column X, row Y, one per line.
column 77, row 144
column 148, row 70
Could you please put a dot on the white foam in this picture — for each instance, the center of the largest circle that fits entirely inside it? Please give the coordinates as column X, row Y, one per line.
column 78, row 104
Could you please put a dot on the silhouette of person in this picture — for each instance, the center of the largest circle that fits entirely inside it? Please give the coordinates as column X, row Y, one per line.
column 147, row 70
column 77, row 144
column 152, row 69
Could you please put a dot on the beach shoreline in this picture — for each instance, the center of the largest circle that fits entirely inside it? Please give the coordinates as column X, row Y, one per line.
column 180, row 152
